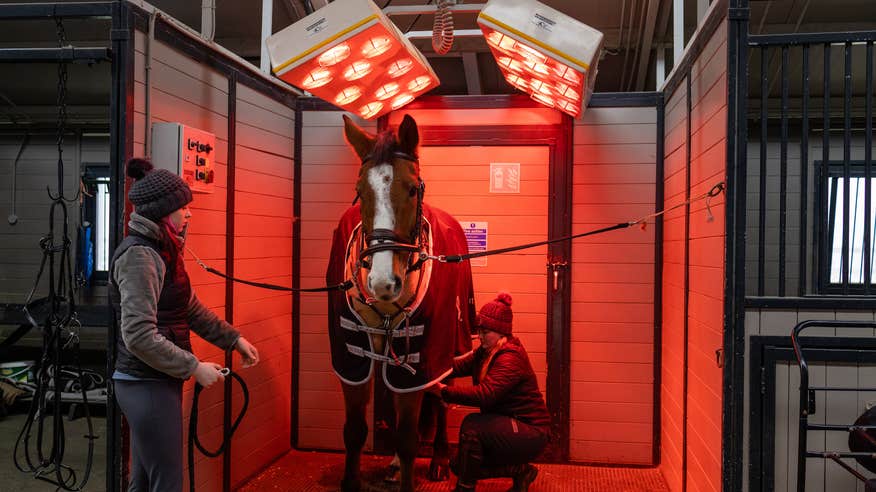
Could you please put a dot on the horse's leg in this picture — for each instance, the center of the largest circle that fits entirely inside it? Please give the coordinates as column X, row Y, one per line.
column 407, row 407
column 439, row 467
column 355, row 432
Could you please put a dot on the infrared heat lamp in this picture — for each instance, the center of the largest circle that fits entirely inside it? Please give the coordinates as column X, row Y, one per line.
column 543, row 52
column 350, row 54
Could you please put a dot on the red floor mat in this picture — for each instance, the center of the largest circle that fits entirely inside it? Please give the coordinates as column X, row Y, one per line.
column 319, row 472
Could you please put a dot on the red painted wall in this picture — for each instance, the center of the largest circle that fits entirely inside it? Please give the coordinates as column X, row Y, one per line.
column 705, row 290
column 612, row 373
column 186, row 92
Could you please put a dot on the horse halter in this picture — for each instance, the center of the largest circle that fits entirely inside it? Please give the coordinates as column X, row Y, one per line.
column 389, row 240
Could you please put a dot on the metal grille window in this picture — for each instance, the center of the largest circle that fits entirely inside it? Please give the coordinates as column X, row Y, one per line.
column 848, row 253
column 101, row 226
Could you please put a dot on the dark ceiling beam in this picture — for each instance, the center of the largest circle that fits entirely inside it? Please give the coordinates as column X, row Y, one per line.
column 472, row 73
column 647, row 40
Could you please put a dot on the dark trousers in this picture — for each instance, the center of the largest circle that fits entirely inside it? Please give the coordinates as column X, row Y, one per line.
column 491, row 445
column 154, row 412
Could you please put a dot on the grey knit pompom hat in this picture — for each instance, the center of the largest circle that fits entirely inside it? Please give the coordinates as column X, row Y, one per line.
column 156, row 193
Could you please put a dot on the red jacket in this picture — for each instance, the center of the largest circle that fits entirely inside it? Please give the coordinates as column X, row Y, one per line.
column 509, row 387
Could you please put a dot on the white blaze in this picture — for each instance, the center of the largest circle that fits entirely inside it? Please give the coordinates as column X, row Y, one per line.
column 381, row 278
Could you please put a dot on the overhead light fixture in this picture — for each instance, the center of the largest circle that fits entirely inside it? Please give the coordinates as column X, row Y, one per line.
column 543, row 52
column 351, row 55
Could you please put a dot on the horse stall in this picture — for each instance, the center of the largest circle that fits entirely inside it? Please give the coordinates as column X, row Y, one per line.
column 659, row 333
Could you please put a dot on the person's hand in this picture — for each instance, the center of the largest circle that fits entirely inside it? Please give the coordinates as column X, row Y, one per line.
column 208, row 373
column 436, row 388
column 248, row 352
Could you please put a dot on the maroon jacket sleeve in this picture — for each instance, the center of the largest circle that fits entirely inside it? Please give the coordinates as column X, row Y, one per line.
column 502, row 376
column 463, row 365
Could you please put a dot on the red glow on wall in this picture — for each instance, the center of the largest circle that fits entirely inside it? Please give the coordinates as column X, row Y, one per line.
column 530, row 70
column 376, row 61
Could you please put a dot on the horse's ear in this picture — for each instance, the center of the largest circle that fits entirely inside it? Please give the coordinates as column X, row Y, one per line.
column 408, row 135
column 361, row 141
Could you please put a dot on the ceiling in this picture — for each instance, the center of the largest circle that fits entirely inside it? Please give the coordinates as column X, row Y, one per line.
column 634, row 31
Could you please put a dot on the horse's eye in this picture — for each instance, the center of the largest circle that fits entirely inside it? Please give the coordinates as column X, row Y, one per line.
column 413, row 191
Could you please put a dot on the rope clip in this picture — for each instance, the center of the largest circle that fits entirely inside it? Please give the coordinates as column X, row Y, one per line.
column 225, row 372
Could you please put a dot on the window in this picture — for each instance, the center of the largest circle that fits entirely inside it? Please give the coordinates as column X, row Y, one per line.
column 851, row 266
column 93, row 253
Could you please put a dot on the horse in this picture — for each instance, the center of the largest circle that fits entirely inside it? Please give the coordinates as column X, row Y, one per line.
column 406, row 314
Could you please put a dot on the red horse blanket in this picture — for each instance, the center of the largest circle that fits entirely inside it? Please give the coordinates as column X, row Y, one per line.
column 440, row 327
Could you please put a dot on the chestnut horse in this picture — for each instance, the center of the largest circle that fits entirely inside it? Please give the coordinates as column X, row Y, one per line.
column 407, row 314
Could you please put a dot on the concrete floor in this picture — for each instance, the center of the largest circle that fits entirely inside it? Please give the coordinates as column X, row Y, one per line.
column 76, row 452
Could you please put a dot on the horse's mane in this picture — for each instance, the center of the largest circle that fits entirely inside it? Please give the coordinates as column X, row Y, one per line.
column 384, row 147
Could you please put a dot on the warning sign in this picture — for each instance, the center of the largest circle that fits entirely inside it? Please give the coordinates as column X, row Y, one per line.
column 476, row 235
column 504, row 177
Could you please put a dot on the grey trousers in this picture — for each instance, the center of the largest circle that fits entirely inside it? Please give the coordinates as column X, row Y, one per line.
column 153, row 409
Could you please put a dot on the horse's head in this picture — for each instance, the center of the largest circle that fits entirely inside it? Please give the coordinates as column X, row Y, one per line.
column 391, row 195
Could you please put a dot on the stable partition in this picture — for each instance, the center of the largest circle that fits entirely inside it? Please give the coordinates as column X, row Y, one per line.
column 243, row 227
column 693, row 259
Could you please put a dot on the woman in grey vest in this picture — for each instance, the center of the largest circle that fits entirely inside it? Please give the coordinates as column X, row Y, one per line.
column 155, row 308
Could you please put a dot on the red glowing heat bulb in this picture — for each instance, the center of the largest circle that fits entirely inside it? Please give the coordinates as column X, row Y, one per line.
column 402, row 100
column 501, row 42
column 317, row 77
column 536, row 68
column 546, row 100
column 518, row 82
column 357, row 70
column 510, row 64
column 386, row 91
column 542, row 87
column 569, row 107
column 400, row 67
column 376, row 46
column 334, row 55
column 530, row 53
column 370, row 109
column 419, row 83
column 564, row 90
column 348, row 95
column 567, row 73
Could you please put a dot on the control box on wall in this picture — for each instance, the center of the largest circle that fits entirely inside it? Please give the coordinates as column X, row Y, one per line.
column 186, row 151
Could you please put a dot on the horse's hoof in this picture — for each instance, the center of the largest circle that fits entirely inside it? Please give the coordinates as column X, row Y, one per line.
column 438, row 471
column 348, row 485
column 393, row 474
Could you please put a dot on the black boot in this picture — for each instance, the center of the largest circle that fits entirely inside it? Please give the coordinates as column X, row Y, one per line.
column 523, row 478
column 460, row 487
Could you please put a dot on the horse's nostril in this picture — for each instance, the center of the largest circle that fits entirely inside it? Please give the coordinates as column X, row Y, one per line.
column 397, row 284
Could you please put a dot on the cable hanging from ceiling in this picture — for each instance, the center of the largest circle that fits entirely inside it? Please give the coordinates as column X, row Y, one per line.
column 442, row 27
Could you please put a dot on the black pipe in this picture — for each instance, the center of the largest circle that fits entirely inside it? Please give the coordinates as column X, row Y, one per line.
column 761, row 226
column 868, row 163
column 847, row 180
column 804, row 173
column 783, row 171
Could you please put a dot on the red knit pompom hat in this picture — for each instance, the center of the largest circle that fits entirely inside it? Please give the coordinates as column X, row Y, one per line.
column 496, row 315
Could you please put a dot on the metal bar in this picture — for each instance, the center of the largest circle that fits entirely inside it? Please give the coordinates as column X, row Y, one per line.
column 868, row 168
column 658, row 281
column 296, row 277
column 804, row 173
column 457, row 33
column 783, row 172
column 54, row 55
column 847, row 180
column 811, row 38
column 686, row 283
column 803, row 417
column 836, row 459
column 230, row 211
column 121, row 106
column 761, row 225
column 469, row 8
column 23, row 11
column 824, row 242
column 838, row 427
column 836, row 388
column 267, row 23
column 845, row 454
